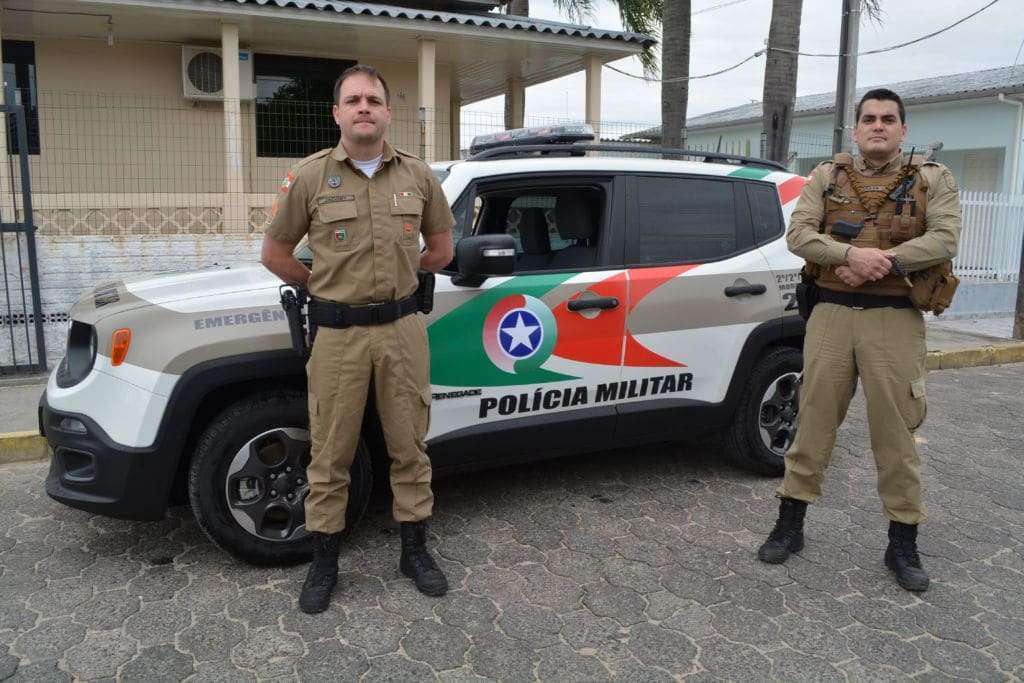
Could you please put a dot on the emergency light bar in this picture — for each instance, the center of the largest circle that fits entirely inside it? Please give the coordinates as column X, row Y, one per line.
column 538, row 135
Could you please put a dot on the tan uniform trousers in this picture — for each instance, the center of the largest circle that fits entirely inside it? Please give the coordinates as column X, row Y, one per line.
column 885, row 347
column 343, row 362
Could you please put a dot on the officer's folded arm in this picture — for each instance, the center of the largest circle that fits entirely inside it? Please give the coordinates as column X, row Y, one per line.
column 438, row 252
column 278, row 257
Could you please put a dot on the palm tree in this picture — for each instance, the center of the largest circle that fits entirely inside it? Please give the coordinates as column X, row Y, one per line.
column 780, row 73
column 675, row 68
column 780, row 78
column 638, row 16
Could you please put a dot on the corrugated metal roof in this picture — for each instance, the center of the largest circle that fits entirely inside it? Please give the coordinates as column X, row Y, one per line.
column 489, row 20
column 968, row 85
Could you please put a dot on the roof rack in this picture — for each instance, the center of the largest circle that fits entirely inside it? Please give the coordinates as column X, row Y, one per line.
column 579, row 148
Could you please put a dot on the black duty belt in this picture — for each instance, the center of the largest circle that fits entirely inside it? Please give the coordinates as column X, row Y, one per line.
column 330, row 314
column 855, row 300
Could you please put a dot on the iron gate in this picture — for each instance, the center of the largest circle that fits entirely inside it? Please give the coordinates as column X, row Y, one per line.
column 23, row 347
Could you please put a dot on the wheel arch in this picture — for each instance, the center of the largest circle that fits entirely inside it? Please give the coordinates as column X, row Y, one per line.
column 204, row 390
column 207, row 389
column 788, row 331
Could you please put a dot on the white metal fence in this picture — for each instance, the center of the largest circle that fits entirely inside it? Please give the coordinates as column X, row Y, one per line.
column 993, row 229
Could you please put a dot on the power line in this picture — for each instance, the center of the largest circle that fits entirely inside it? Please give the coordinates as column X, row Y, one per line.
column 718, row 6
column 891, row 47
column 1016, row 59
column 688, row 78
column 807, row 54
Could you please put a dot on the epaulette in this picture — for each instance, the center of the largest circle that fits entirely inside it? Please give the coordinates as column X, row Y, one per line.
column 315, row 155
column 406, row 154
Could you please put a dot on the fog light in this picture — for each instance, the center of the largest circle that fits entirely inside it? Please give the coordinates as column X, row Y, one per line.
column 70, row 424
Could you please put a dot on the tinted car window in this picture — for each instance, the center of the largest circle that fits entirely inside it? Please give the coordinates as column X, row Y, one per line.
column 764, row 211
column 683, row 219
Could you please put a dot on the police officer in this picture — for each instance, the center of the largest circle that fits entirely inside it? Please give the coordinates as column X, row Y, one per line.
column 878, row 233
column 364, row 205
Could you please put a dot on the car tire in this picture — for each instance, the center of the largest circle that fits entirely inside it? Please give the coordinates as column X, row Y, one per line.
column 764, row 424
column 263, row 435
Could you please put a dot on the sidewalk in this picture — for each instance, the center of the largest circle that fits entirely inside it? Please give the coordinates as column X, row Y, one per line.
column 972, row 342
column 952, row 344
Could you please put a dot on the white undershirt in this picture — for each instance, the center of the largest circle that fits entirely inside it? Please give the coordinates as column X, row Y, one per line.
column 368, row 167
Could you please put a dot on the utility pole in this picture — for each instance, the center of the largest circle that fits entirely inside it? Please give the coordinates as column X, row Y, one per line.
column 846, row 83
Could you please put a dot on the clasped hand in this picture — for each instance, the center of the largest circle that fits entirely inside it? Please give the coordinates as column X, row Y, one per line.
column 864, row 264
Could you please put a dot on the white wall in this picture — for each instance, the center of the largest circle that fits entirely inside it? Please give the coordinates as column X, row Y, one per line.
column 70, row 266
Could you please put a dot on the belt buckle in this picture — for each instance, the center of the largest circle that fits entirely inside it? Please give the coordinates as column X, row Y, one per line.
column 374, row 310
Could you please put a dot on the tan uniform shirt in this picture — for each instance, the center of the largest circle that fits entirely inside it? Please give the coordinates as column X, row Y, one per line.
column 364, row 232
column 942, row 218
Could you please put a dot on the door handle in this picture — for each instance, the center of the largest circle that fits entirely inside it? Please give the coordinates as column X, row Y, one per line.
column 736, row 290
column 601, row 302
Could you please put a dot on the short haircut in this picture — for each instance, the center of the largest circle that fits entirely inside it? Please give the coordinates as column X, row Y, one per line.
column 366, row 70
column 882, row 94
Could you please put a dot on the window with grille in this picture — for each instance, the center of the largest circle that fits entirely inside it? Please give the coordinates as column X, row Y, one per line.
column 294, row 96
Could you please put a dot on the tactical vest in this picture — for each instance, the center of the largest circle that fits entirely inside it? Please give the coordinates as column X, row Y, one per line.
column 891, row 208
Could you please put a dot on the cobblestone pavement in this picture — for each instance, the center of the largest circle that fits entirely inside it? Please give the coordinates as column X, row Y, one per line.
column 635, row 565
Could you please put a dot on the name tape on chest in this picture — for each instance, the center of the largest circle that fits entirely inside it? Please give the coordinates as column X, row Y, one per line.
column 330, row 199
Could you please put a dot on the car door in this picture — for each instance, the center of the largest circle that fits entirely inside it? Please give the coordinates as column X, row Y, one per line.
column 520, row 362
column 697, row 287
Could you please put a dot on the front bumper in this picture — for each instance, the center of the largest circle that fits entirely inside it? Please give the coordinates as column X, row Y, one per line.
column 89, row 471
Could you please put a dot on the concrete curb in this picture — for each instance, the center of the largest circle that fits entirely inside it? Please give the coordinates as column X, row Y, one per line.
column 976, row 356
column 22, row 447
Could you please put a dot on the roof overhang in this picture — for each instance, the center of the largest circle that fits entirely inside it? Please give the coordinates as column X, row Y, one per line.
column 484, row 50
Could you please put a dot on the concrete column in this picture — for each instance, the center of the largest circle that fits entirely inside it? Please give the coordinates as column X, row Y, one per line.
column 455, row 128
column 592, row 106
column 427, row 102
column 515, row 103
column 235, row 218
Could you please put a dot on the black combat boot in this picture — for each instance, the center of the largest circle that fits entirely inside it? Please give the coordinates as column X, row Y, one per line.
column 323, row 573
column 788, row 535
column 901, row 557
column 416, row 562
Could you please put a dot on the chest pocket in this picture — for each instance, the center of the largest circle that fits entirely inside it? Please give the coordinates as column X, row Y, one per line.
column 407, row 209
column 342, row 230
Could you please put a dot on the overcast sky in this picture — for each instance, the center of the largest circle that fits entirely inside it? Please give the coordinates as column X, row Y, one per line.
column 722, row 37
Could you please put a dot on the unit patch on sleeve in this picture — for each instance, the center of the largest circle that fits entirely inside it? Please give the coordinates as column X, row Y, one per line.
column 286, row 184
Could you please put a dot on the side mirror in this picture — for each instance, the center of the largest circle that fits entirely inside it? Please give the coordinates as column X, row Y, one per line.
column 481, row 256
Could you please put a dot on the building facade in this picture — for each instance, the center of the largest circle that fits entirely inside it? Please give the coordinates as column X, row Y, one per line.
column 159, row 130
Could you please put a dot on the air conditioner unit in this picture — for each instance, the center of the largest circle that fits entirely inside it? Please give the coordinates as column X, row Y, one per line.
column 202, row 75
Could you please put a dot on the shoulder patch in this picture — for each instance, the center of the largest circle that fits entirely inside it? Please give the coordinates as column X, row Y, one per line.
column 950, row 181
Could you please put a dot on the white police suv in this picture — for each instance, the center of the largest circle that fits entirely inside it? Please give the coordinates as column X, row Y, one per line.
column 597, row 299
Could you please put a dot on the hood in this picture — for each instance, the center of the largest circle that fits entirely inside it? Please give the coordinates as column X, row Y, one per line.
column 116, row 297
